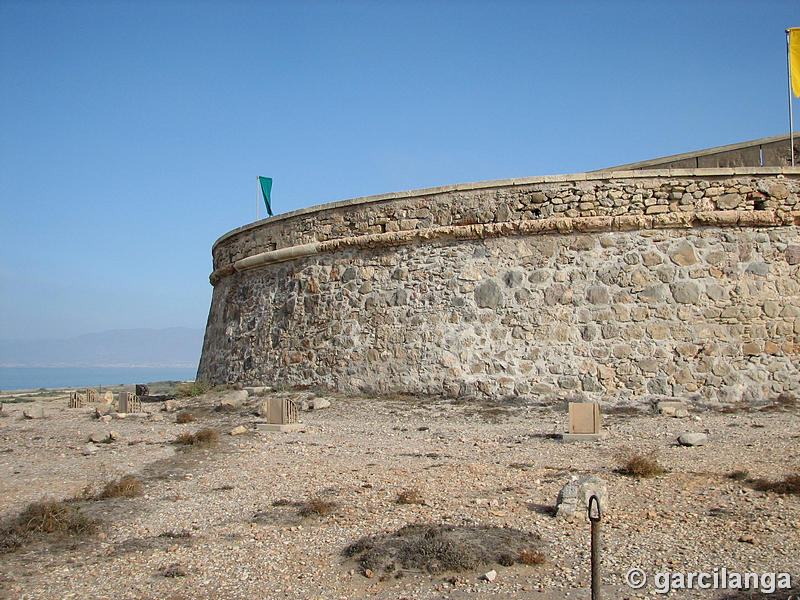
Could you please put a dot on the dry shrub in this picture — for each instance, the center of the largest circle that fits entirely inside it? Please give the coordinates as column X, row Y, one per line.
column 125, row 487
column 440, row 548
column 205, row 438
column 174, row 570
column 790, row 484
column 532, row 557
column 638, row 465
column 316, row 506
column 409, row 497
column 192, row 389
column 45, row 517
column 184, row 417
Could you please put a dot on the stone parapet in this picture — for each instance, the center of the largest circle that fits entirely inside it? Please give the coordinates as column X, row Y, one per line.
column 603, row 194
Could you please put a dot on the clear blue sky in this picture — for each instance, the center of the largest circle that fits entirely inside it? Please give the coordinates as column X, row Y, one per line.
column 131, row 133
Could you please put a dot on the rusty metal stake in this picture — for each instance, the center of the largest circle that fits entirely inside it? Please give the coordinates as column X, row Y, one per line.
column 594, row 517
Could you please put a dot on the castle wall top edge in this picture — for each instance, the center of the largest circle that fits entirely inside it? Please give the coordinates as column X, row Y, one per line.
column 500, row 183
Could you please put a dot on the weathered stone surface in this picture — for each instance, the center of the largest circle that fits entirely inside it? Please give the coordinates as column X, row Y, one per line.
column 683, row 254
column 685, row 292
column 239, row 430
column 488, row 294
column 589, row 296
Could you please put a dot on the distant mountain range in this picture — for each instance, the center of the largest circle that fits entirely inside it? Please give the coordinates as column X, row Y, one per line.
column 172, row 347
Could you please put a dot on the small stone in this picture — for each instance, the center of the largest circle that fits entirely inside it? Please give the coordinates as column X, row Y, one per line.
column 114, row 436
column 239, row 430
column 156, row 418
column 89, row 449
column 692, row 439
column 490, row 575
column 98, row 437
column 105, row 418
column 746, row 539
column 369, row 573
column 319, row 403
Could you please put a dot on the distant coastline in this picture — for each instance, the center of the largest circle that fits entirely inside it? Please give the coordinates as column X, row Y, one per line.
column 25, row 378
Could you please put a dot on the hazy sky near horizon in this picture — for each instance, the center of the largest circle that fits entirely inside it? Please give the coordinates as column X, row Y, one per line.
column 131, row 133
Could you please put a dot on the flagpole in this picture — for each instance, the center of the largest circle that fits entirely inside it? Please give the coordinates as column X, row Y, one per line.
column 791, row 114
column 257, row 198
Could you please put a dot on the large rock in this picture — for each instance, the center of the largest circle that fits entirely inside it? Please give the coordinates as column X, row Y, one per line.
column 319, row 403
column 33, row 412
column 232, row 400
column 692, row 439
column 573, row 499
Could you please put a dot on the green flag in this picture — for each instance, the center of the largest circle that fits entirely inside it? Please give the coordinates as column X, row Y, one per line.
column 266, row 190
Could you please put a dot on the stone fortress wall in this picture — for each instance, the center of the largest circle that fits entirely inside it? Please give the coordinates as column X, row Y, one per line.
column 615, row 286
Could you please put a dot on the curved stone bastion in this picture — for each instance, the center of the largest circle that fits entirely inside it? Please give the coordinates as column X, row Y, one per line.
column 611, row 286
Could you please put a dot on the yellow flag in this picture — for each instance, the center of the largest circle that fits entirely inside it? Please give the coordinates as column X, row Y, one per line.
column 794, row 59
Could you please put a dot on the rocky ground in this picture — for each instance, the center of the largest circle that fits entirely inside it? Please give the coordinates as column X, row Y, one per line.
column 224, row 521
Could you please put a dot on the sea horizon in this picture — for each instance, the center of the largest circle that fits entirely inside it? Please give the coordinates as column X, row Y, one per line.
column 32, row 378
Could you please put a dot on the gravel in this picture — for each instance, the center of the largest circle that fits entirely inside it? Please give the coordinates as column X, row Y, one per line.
column 223, row 522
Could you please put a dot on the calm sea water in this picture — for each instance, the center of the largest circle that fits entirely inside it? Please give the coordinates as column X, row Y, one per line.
column 24, row 378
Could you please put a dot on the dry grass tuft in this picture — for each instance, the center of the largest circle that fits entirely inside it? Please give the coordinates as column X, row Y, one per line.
column 638, row 465
column 45, row 517
column 185, row 417
column 532, row 557
column 126, row 487
column 738, row 475
column 192, row 389
column 412, row 496
column 790, row 484
column 205, row 438
column 316, row 507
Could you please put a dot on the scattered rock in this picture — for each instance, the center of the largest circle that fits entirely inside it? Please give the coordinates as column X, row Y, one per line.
column 33, row 412
column 369, row 573
column 672, row 409
column 692, row 439
column 105, row 418
column 114, row 436
column 103, row 409
column 239, row 430
column 490, row 575
column 169, row 406
column 156, row 418
column 108, row 397
column 98, row 437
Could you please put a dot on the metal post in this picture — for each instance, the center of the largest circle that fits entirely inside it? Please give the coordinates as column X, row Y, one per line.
column 594, row 517
column 791, row 116
column 258, row 184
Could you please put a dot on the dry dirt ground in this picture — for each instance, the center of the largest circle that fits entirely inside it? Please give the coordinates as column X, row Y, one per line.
column 223, row 522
